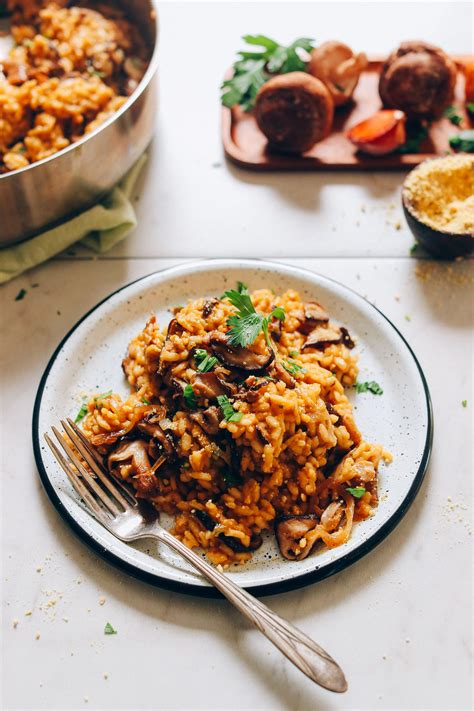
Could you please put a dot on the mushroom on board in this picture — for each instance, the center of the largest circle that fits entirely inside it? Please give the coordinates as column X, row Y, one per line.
column 335, row 64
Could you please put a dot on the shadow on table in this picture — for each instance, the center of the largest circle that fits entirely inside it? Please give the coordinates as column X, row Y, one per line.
column 279, row 677
column 303, row 189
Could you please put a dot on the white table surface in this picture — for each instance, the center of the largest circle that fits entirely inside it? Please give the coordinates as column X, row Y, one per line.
column 399, row 621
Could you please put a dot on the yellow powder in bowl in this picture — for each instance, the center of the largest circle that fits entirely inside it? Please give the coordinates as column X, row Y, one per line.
column 440, row 193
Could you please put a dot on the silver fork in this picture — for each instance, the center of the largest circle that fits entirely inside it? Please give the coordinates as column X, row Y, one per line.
column 115, row 507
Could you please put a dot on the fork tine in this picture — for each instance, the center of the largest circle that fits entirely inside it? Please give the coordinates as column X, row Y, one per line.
column 87, row 478
column 123, row 496
column 73, row 478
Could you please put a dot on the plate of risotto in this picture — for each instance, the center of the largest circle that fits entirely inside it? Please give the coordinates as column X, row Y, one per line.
column 277, row 421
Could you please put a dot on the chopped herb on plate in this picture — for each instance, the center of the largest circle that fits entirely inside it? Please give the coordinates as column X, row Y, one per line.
column 414, row 248
column 230, row 415
column 103, row 396
column 82, row 413
column 357, row 491
column 21, row 295
column 108, row 629
column 190, row 397
column 368, row 386
column 464, row 403
column 145, row 401
column 206, row 361
column 292, row 367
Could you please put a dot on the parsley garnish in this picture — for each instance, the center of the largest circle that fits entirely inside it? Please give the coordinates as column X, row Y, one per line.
column 414, row 248
column 463, row 141
column 145, row 401
column 247, row 324
column 254, row 68
column 230, row 415
column 416, row 134
column 292, row 367
column 190, row 397
column 108, row 629
column 103, row 396
column 451, row 114
column 470, row 106
column 206, row 361
column 82, row 413
column 357, row 491
column 21, row 295
column 370, row 386
column 464, row 403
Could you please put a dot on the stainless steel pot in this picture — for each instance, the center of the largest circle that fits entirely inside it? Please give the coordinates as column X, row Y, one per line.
column 47, row 192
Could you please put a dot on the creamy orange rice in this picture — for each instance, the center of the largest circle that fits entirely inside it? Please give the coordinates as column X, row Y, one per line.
column 285, row 457
column 70, row 69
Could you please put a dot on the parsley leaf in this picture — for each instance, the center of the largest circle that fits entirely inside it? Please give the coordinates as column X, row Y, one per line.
column 292, row 367
column 102, row 396
column 247, row 323
column 370, row 386
column 190, row 397
column 206, row 361
column 21, row 295
column 464, row 403
column 357, row 491
column 108, row 629
column 414, row 248
column 416, row 134
column 230, row 415
column 254, row 67
column 452, row 115
column 470, row 106
column 82, row 413
column 145, row 401
column 463, row 141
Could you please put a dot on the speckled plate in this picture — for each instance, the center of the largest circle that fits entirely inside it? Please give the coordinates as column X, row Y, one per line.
column 89, row 360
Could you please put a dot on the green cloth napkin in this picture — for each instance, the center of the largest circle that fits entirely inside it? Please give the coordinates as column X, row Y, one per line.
column 99, row 228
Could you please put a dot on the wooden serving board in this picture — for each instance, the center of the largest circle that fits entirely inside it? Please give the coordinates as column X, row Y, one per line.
column 247, row 147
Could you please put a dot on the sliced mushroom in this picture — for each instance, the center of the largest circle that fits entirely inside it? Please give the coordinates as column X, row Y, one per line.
column 161, row 441
column 210, row 386
column 238, row 357
column 346, row 338
column 237, row 546
column 208, row 419
column 292, row 535
column 331, row 516
column 251, row 388
column 131, row 458
column 314, row 314
column 282, row 374
column 208, row 307
column 204, row 518
column 323, row 336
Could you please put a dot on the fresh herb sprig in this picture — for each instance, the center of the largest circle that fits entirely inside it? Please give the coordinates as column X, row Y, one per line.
column 356, row 491
column 368, row 386
column 254, row 67
column 230, row 415
column 205, row 361
column 247, row 323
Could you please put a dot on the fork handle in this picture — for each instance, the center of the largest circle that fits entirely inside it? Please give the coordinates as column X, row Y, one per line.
column 300, row 649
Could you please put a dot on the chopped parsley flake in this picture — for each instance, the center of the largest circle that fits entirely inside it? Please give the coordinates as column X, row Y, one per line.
column 452, row 115
column 470, row 106
column 103, row 396
column 206, row 361
column 464, row 403
column 292, row 367
column 21, row 295
column 190, row 397
column 407, row 317
column 414, row 248
column 230, row 415
column 357, row 491
column 108, row 629
column 82, row 413
column 145, row 401
column 368, row 386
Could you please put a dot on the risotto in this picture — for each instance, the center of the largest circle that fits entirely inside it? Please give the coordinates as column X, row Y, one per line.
column 238, row 423
column 72, row 66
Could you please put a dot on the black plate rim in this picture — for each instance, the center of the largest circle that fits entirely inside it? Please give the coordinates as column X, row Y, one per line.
column 260, row 590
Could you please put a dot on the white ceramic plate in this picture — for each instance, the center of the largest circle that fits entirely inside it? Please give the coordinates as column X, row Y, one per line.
column 89, row 359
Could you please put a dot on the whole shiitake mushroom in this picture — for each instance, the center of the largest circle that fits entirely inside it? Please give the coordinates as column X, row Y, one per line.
column 418, row 78
column 294, row 111
column 338, row 67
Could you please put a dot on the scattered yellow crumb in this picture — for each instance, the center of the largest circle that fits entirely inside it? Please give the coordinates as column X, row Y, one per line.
column 37, row 635
column 15, row 623
column 101, row 600
column 28, row 613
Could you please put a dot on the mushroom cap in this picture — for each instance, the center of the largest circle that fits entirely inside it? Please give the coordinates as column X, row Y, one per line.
column 419, row 79
column 294, row 111
column 338, row 67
